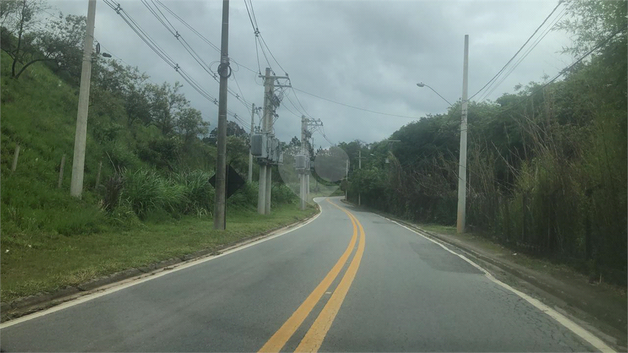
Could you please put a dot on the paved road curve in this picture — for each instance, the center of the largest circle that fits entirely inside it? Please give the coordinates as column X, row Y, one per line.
column 347, row 281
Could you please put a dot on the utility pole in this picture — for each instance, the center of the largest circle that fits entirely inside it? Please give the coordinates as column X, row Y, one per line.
column 305, row 174
column 220, row 207
column 360, row 167
column 250, row 175
column 346, row 179
column 302, row 174
column 462, row 169
column 78, row 161
column 269, row 127
column 271, row 101
column 264, row 168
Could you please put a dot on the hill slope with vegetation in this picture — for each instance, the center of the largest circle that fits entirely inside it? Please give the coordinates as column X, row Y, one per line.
column 546, row 165
column 153, row 151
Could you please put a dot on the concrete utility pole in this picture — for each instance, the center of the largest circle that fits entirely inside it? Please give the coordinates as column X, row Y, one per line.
column 346, row 179
column 250, row 175
column 462, row 169
column 269, row 124
column 220, row 206
column 78, row 162
column 302, row 174
column 264, row 169
column 271, row 101
column 305, row 176
column 360, row 167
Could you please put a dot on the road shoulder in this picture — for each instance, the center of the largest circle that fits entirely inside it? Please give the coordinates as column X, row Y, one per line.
column 600, row 308
column 41, row 301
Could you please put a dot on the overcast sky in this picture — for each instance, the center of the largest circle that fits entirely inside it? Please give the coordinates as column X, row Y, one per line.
column 368, row 54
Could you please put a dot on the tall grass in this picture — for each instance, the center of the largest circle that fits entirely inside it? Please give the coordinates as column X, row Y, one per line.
column 146, row 191
column 39, row 114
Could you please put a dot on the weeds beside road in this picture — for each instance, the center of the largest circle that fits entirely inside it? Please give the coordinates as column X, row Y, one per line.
column 57, row 261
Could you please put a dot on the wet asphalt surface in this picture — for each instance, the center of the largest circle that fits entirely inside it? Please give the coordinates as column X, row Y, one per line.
column 409, row 294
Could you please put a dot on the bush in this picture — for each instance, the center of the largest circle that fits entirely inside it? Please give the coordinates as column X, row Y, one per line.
column 245, row 198
column 282, row 194
column 198, row 192
column 147, row 191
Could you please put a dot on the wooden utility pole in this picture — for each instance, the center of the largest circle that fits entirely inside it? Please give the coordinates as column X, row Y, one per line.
column 98, row 175
column 16, row 155
column 221, row 161
column 61, row 171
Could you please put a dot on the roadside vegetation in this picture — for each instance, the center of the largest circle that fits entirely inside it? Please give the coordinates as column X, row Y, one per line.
column 546, row 165
column 149, row 157
column 55, row 261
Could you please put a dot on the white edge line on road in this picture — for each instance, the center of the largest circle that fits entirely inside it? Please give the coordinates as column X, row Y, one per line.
column 562, row 319
column 147, row 277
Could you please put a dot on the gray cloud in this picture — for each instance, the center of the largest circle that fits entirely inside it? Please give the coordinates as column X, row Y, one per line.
column 368, row 54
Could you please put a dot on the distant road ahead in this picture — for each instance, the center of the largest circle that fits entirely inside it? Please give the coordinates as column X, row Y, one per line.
column 348, row 281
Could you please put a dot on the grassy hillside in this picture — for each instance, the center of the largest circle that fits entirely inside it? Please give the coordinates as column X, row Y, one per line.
column 39, row 114
column 153, row 202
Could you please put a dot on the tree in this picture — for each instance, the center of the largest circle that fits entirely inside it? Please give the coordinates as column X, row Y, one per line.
column 233, row 129
column 593, row 22
column 294, row 142
column 18, row 18
column 190, row 124
column 165, row 104
column 61, row 42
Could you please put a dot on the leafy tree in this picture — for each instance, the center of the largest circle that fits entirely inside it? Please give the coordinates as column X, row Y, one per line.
column 18, row 18
column 233, row 129
column 62, row 42
column 190, row 124
column 238, row 153
column 294, row 142
column 165, row 104
column 593, row 22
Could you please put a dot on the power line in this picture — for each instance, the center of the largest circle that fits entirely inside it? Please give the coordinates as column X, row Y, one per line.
column 163, row 55
column 166, row 23
column 259, row 39
column 241, row 93
column 271, row 53
column 561, row 73
column 565, row 70
column 199, row 34
column 354, row 107
column 528, row 51
column 518, row 51
column 299, row 101
column 257, row 42
column 188, row 26
column 325, row 136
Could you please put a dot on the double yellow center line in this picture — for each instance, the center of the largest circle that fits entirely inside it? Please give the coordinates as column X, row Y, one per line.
column 315, row 335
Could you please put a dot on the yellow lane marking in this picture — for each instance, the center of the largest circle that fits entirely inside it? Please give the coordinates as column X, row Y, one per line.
column 279, row 339
column 316, row 334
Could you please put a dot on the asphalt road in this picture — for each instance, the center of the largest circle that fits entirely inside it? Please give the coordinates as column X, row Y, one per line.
column 336, row 284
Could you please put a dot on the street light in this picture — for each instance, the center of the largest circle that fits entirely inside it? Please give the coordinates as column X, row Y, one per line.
column 462, row 163
column 421, row 84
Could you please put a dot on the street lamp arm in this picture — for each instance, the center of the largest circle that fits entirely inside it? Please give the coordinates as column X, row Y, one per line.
column 421, row 84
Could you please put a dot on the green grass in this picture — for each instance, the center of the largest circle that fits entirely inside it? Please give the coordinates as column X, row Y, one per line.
column 483, row 242
column 439, row 228
column 54, row 261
